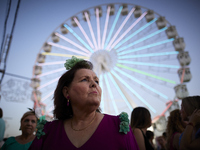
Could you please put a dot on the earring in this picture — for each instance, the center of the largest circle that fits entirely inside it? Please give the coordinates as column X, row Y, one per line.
column 67, row 100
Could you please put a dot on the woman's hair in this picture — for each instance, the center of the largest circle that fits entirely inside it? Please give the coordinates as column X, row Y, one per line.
column 149, row 134
column 62, row 111
column 174, row 124
column 140, row 118
column 190, row 104
column 28, row 113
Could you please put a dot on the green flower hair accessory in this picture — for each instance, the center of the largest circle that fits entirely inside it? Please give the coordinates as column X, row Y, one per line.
column 124, row 123
column 40, row 126
column 71, row 62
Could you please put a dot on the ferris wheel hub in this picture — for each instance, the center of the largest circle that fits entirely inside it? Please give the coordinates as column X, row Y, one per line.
column 103, row 61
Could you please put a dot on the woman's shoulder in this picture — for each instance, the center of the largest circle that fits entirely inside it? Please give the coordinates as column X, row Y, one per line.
column 8, row 142
column 137, row 131
column 43, row 127
column 120, row 121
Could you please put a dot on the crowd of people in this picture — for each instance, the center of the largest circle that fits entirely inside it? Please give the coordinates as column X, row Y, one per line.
column 79, row 123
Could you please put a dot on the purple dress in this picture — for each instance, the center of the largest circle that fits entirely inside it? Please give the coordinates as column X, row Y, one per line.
column 106, row 136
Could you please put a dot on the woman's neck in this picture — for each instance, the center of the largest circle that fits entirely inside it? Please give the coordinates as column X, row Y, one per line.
column 26, row 136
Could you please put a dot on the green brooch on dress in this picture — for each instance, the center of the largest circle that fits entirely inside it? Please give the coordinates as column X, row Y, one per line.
column 40, row 126
column 124, row 123
column 71, row 62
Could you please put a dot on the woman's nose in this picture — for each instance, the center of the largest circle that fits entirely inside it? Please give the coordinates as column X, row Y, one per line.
column 93, row 83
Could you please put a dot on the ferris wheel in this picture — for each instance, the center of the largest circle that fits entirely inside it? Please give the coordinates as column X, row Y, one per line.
column 136, row 53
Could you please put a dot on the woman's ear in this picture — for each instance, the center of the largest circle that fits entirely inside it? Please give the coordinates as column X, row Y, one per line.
column 65, row 91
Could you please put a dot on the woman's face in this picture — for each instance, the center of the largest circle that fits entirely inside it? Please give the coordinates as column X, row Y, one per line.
column 84, row 90
column 183, row 113
column 28, row 124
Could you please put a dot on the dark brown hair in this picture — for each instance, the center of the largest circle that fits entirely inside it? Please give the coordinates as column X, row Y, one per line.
column 140, row 118
column 61, row 110
column 28, row 113
column 174, row 124
column 149, row 134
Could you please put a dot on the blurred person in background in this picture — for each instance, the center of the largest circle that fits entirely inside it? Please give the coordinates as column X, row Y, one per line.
column 23, row 141
column 175, row 127
column 190, row 112
column 140, row 121
column 150, row 136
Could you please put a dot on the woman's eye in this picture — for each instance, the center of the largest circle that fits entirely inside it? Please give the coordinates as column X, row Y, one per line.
column 33, row 121
column 84, row 80
column 97, row 82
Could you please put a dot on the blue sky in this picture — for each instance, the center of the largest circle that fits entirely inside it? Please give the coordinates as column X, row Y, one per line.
column 37, row 19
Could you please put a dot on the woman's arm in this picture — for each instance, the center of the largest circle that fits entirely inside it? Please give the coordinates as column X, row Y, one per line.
column 187, row 142
column 139, row 138
column 176, row 141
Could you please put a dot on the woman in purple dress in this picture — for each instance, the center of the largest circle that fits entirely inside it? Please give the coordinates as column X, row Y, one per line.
column 79, row 123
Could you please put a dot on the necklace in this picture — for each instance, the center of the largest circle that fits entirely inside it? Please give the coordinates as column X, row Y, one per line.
column 84, row 127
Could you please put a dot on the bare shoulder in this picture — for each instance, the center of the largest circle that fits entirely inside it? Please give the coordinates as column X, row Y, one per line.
column 137, row 131
column 139, row 138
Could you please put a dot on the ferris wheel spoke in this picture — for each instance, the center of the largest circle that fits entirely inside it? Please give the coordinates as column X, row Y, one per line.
column 148, row 64
column 68, row 49
column 73, row 43
column 113, row 26
column 132, row 35
column 50, row 109
column 105, row 27
column 51, row 72
column 98, row 28
column 129, row 29
column 83, row 32
column 148, row 55
column 142, row 39
column 146, row 74
column 91, row 30
column 141, row 83
column 47, row 96
column 51, row 63
column 80, row 39
column 65, row 55
column 120, row 28
column 102, row 93
column 145, row 47
column 128, row 102
column 133, row 91
column 48, row 83
column 111, row 94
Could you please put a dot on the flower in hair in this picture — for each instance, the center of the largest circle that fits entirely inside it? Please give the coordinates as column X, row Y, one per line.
column 40, row 126
column 124, row 123
column 71, row 62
